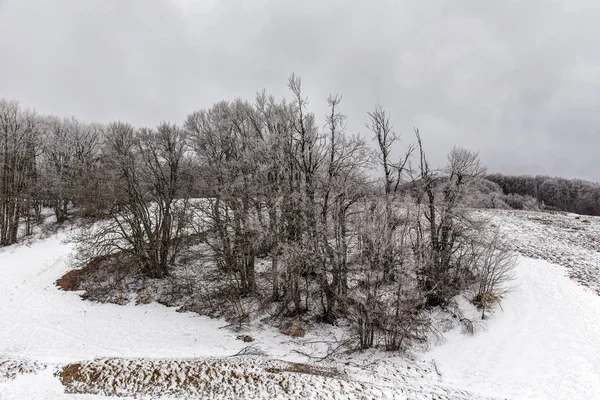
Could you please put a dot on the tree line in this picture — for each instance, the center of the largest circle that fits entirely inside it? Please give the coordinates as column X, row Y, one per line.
column 264, row 180
column 559, row 194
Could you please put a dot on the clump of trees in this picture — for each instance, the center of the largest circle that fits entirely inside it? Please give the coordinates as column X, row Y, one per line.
column 247, row 181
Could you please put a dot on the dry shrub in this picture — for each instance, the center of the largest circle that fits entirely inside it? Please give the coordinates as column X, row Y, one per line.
column 486, row 300
column 496, row 269
column 143, row 296
column 295, row 329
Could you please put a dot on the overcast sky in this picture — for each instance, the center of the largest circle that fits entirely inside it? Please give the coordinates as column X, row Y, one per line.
column 518, row 81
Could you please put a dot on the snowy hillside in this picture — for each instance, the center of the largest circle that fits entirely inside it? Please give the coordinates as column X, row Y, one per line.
column 543, row 343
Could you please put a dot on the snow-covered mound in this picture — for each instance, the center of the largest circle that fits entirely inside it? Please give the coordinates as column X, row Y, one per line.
column 542, row 344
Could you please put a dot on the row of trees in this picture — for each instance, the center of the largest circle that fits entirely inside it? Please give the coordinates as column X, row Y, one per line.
column 571, row 195
column 244, row 181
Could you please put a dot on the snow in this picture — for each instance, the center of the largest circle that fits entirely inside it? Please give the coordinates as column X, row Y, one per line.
column 42, row 386
column 569, row 240
column 543, row 343
column 50, row 325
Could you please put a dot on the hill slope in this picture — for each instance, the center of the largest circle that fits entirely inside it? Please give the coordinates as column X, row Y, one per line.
column 542, row 344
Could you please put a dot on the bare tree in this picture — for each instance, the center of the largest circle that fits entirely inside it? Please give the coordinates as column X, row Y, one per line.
column 385, row 136
column 444, row 271
column 148, row 213
column 341, row 188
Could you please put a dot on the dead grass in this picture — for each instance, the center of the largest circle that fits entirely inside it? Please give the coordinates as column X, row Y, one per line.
column 206, row 378
column 73, row 280
column 312, row 370
column 70, row 374
column 117, row 279
column 70, row 281
column 11, row 368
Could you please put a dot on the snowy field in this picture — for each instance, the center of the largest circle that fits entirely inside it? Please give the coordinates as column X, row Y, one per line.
column 544, row 343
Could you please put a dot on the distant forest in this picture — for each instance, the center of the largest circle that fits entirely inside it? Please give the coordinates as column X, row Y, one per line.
column 547, row 193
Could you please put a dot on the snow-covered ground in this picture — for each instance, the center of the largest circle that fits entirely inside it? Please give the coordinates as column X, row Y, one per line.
column 545, row 341
column 543, row 344
column 569, row 240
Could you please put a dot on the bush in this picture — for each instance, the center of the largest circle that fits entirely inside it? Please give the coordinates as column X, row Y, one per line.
column 495, row 270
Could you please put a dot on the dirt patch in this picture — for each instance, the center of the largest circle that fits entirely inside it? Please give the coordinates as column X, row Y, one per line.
column 252, row 378
column 245, row 338
column 300, row 368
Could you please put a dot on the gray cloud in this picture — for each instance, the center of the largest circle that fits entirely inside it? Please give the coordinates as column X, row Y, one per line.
column 517, row 81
